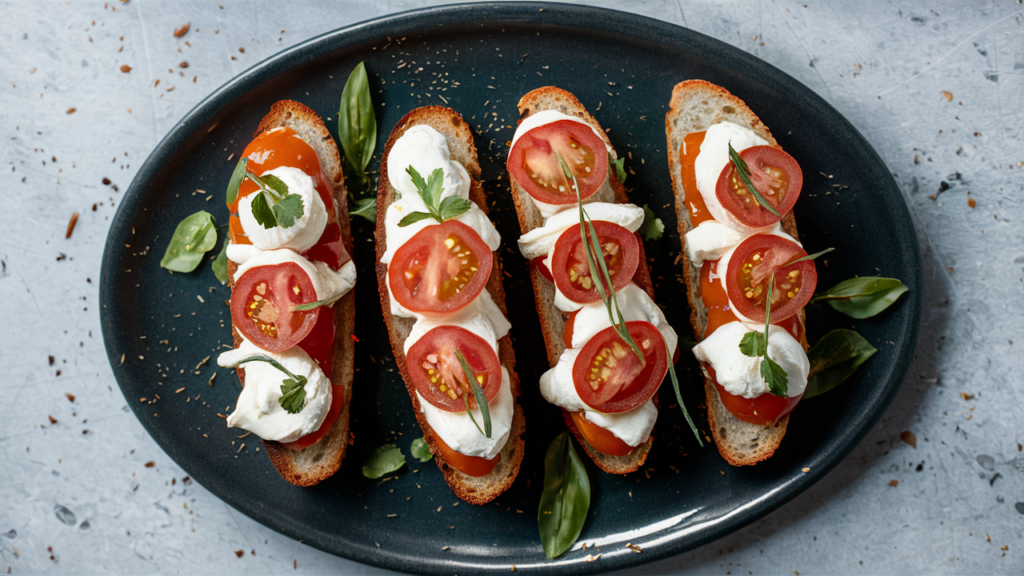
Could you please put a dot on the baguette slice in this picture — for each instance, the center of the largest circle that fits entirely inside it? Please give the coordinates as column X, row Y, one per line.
column 318, row 462
column 475, row 490
column 552, row 320
column 697, row 105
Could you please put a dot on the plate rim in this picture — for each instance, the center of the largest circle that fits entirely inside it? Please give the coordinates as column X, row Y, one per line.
column 584, row 19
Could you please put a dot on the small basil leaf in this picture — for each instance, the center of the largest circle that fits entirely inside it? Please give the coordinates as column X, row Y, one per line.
column 195, row 236
column 834, row 358
column 752, row 344
column 420, row 450
column 652, row 228
column 357, row 123
column 413, row 218
column 275, row 184
column 453, row 206
column 620, row 168
column 862, row 297
column 775, row 377
column 236, row 180
column 293, row 395
column 262, row 212
column 220, row 264
column 364, row 207
column 287, row 210
column 566, row 498
column 384, row 460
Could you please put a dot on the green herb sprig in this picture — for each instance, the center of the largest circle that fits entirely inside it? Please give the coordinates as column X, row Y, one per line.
column 357, row 132
column 273, row 204
column 744, row 171
column 652, row 228
column 293, row 391
column 808, row 257
column 834, row 358
column 314, row 305
column 565, row 501
column 193, row 238
column 618, row 167
column 478, row 395
column 755, row 344
column 420, row 450
column 384, row 460
column 430, row 191
column 862, row 297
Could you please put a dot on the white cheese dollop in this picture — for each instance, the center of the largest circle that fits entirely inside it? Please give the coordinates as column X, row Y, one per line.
column 307, row 229
column 740, row 374
column 557, row 387
column 326, row 282
column 259, row 410
column 481, row 317
column 460, row 434
column 713, row 158
column 540, row 241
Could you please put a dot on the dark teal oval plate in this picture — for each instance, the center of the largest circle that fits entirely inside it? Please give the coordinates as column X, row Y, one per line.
column 479, row 59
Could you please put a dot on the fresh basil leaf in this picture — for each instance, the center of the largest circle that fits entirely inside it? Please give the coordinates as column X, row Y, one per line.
column 775, row 377
column 862, row 297
column 364, row 207
column 236, row 180
column 357, row 123
column 262, row 212
column 565, row 501
column 275, row 184
column 652, row 228
column 619, row 166
column 420, row 450
column 384, row 460
column 287, row 210
column 194, row 236
column 753, row 344
column 834, row 358
column 744, row 172
column 293, row 395
column 413, row 218
column 452, row 207
column 220, row 264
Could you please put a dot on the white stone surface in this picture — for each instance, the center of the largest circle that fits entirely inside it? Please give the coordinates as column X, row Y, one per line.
column 882, row 65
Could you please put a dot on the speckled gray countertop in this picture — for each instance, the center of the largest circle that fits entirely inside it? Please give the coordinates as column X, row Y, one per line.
column 937, row 88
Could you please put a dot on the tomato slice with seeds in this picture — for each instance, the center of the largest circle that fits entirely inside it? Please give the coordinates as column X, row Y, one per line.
column 599, row 438
column 261, row 305
column 441, row 269
column 469, row 465
column 763, row 410
column 751, row 265
column 533, row 161
column 570, row 268
column 437, row 374
column 775, row 175
column 608, row 375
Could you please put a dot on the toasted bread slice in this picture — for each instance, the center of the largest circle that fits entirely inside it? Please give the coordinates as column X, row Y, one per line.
column 697, row 105
column 552, row 320
column 475, row 490
column 318, row 462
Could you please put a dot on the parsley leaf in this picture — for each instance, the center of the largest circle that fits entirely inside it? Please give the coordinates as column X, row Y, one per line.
column 285, row 207
column 452, row 206
column 619, row 166
column 652, row 228
column 753, row 344
column 420, row 450
column 288, row 209
column 293, row 394
column 413, row 217
column 262, row 212
column 275, row 184
column 430, row 191
column 774, row 376
column 384, row 460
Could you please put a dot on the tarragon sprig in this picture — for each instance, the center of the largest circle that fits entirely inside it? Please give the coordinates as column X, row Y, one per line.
column 478, row 395
column 744, row 171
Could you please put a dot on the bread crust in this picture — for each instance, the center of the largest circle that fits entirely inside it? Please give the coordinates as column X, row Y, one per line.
column 552, row 320
column 695, row 106
column 475, row 490
column 316, row 463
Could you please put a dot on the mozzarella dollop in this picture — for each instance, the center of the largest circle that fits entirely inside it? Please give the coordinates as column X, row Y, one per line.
column 556, row 385
column 259, row 408
column 740, row 374
column 481, row 317
column 307, row 229
column 540, row 241
column 713, row 158
column 457, row 430
column 327, row 283
column 542, row 118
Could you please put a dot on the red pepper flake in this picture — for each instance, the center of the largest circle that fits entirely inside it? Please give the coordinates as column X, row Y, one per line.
column 239, row 553
column 71, row 225
column 242, row 50
column 51, row 359
column 894, row 483
column 71, row 110
column 71, row 397
column 909, row 437
column 126, row 68
column 58, row 372
column 971, row 202
column 182, row 31
column 354, row 338
column 150, row 464
column 52, row 420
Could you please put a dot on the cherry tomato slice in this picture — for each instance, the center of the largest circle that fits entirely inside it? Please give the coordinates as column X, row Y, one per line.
column 571, row 270
column 774, row 174
column 469, row 465
column 262, row 301
column 533, row 161
column 764, row 410
column 752, row 264
column 441, row 269
column 608, row 375
column 600, row 439
column 437, row 374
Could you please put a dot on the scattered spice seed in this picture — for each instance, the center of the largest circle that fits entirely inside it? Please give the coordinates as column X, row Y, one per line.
column 909, row 437
column 71, row 397
column 150, row 464
column 947, row 95
column 894, row 483
column 126, row 68
column 971, row 202
column 184, row 64
column 71, row 110
column 71, row 225
column 238, row 553
column 967, row 396
column 52, row 420
column 183, row 30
